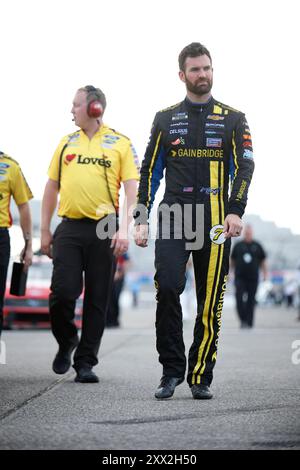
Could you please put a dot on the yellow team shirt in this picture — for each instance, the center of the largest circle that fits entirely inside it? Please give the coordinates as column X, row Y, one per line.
column 12, row 183
column 91, row 172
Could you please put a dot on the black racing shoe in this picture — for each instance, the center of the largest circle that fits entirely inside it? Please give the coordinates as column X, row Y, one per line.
column 62, row 360
column 201, row 392
column 167, row 386
column 86, row 375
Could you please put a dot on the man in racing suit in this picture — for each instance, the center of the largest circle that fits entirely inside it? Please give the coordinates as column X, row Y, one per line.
column 201, row 143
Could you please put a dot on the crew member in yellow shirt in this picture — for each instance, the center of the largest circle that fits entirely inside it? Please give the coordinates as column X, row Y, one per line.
column 12, row 183
column 86, row 170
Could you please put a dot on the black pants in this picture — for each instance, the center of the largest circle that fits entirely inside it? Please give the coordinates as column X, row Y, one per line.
column 211, row 268
column 4, row 260
column 113, row 312
column 245, row 290
column 77, row 249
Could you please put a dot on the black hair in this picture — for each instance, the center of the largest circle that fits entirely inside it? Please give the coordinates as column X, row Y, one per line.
column 192, row 50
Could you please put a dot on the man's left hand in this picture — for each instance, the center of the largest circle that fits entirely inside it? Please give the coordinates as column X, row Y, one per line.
column 26, row 256
column 233, row 226
column 120, row 243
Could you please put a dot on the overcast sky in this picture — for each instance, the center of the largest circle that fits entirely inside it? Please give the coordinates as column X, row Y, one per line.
column 130, row 50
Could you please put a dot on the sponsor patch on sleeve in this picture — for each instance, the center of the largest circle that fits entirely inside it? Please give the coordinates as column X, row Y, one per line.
column 213, row 142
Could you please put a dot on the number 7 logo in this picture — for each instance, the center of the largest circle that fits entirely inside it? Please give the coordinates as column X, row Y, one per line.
column 216, row 234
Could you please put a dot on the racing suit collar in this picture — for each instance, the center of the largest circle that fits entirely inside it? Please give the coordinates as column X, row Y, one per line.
column 196, row 106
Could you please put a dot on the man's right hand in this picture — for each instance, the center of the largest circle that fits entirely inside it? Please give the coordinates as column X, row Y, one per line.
column 46, row 242
column 141, row 235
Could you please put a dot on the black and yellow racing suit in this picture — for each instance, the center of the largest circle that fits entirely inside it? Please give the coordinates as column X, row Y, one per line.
column 202, row 148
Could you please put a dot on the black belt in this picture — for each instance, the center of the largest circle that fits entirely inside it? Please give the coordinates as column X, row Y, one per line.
column 2, row 229
column 83, row 219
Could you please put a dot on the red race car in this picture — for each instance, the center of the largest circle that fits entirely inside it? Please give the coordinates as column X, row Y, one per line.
column 32, row 309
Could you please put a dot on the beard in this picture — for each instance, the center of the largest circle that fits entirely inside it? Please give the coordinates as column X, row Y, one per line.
column 201, row 87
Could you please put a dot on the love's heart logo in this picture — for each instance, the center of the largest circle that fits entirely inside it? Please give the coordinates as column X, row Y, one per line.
column 69, row 158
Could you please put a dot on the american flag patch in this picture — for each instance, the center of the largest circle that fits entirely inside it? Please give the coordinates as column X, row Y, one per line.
column 188, row 189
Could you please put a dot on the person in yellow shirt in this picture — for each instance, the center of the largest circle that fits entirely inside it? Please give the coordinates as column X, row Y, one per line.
column 12, row 184
column 86, row 170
